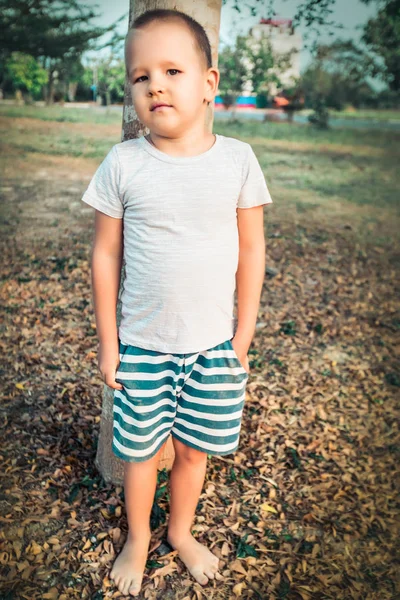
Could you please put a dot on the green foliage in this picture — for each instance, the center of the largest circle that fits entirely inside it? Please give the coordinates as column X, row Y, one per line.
column 320, row 117
column 313, row 13
column 385, row 99
column 288, row 327
column 25, row 72
column 244, row 549
column 338, row 76
column 382, row 37
column 233, row 71
column 264, row 64
column 54, row 33
column 44, row 28
column 249, row 61
column 110, row 77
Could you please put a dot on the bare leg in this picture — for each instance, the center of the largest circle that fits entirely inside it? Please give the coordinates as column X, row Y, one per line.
column 140, row 480
column 186, row 481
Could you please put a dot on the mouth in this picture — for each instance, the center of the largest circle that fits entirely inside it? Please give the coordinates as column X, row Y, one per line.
column 156, row 107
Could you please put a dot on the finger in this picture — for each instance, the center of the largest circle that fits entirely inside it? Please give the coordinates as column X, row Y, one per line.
column 113, row 384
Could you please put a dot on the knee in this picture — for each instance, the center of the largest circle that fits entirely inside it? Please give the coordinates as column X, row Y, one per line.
column 189, row 455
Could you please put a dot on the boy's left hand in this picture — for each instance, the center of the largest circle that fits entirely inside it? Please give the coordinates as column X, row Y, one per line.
column 241, row 353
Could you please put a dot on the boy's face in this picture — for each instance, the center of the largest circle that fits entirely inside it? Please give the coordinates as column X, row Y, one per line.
column 165, row 67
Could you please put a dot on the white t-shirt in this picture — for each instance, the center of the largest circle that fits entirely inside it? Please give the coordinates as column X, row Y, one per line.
column 181, row 243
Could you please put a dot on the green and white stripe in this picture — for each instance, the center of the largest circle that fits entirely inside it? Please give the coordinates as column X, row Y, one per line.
column 198, row 397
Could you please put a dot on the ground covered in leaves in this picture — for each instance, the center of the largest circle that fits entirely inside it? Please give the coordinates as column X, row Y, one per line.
column 308, row 508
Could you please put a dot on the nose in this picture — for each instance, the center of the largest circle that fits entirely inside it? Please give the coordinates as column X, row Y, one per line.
column 155, row 85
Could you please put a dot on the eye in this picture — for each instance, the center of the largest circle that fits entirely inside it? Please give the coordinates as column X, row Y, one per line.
column 176, row 71
column 139, row 78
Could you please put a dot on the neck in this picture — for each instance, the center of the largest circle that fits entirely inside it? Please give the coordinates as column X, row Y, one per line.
column 189, row 144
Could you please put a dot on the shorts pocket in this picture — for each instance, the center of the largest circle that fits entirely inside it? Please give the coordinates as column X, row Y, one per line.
column 120, row 370
column 236, row 357
column 122, row 348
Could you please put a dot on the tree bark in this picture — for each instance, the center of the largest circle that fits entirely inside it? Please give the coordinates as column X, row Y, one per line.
column 50, row 88
column 208, row 13
column 72, row 87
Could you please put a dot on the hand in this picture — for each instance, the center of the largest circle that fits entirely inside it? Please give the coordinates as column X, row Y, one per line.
column 108, row 362
column 241, row 353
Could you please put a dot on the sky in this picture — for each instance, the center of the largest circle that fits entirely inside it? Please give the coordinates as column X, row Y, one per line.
column 351, row 14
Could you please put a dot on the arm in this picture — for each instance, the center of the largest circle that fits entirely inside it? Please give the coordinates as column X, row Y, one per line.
column 106, row 265
column 249, row 277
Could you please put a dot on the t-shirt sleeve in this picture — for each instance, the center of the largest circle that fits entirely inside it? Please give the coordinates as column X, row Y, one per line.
column 103, row 192
column 254, row 191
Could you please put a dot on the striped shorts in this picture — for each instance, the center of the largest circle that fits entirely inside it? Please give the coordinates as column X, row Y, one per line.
column 198, row 398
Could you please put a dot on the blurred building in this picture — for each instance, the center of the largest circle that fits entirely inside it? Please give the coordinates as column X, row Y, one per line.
column 283, row 39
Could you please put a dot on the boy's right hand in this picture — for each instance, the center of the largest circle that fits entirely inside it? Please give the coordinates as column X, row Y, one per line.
column 108, row 362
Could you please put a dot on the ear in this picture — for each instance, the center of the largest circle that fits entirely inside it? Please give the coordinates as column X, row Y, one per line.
column 211, row 84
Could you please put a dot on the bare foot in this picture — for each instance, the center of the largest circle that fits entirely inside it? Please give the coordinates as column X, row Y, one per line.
column 199, row 560
column 128, row 568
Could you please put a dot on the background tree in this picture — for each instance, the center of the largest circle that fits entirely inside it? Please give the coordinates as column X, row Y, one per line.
column 72, row 73
column 265, row 65
column 294, row 94
column 110, row 78
column 314, row 14
column 338, row 75
column 233, row 70
column 249, row 61
column 51, row 32
column 26, row 74
column 382, row 37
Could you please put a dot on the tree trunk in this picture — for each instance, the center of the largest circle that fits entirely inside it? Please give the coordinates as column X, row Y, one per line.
column 50, row 89
column 72, row 87
column 208, row 13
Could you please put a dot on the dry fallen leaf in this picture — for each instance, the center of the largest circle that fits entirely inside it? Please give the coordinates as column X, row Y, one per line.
column 268, row 508
column 293, row 511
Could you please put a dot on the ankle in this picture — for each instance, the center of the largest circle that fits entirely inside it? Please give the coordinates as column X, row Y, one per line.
column 176, row 538
column 138, row 536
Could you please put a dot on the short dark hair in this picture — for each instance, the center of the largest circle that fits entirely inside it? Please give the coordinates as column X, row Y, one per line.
column 163, row 14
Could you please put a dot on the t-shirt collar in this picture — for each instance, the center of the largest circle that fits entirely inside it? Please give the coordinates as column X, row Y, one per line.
column 180, row 160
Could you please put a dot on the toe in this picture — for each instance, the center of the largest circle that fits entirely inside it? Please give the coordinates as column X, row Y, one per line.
column 209, row 573
column 125, row 587
column 199, row 575
column 113, row 575
column 134, row 588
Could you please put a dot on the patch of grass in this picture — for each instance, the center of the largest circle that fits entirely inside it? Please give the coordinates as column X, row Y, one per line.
column 376, row 115
column 323, row 173
column 72, row 143
column 62, row 114
column 294, row 132
column 360, row 189
column 311, row 169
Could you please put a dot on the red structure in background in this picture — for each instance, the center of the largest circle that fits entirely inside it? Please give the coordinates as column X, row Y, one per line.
column 280, row 101
column 277, row 22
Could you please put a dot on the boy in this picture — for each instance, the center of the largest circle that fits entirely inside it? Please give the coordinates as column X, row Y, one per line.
column 171, row 204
